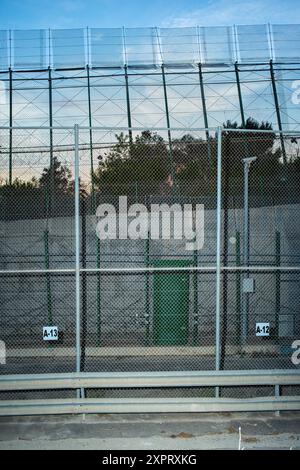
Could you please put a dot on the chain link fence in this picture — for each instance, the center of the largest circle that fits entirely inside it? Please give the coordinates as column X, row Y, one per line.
column 37, row 249
column 119, row 241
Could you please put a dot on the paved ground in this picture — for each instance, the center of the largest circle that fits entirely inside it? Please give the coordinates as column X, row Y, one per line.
column 155, row 431
column 121, row 363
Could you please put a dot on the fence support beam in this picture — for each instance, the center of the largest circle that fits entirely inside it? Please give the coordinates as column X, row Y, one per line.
column 147, row 293
column 90, row 133
column 128, row 104
column 218, row 250
column 50, row 114
column 205, row 119
column 277, row 282
column 83, row 285
column 51, row 179
column 195, row 301
column 168, row 122
column 238, row 286
column 48, row 279
column 10, row 172
column 238, row 84
column 77, row 244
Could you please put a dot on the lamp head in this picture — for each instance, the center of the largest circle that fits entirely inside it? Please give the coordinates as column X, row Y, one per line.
column 249, row 160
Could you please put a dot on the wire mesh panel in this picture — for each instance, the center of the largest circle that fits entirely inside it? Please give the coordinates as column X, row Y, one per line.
column 262, row 322
column 129, row 316
column 106, row 47
column 144, row 47
column 130, row 332
column 119, row 270
column 68, row 47
column 4, row 102
column 69, row 98
column 30, row 48
column 253, row 43
column 261, row 228
column 107, row 99
column 37, row 250
column 27, row 101
column 184, row 97
column 141, row 46
column 4, row 62
column 287, row 83
column 216, row 44
column 180, row 45
column 221, row 102
column 286, row 40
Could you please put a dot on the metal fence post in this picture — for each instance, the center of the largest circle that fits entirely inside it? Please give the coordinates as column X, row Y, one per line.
column 277, row 395
column 245, row 249
column 218, row 249
column 277, row 282
column 10, row 170
column 77, row 244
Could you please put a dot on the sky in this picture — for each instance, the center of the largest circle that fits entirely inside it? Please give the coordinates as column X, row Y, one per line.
column 28, row 14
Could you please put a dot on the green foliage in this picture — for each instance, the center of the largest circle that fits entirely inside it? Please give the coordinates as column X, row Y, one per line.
column 144, row 160
column 239, row 145
column 56, row 177
column 146, row 165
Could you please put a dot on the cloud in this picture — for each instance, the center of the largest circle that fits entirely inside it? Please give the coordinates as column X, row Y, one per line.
column 222, row 12
column 71, row 6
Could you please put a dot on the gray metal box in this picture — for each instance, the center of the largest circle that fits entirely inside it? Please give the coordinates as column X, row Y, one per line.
column 248, row 285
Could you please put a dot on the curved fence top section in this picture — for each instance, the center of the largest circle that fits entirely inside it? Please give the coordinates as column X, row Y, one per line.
column 148, row 47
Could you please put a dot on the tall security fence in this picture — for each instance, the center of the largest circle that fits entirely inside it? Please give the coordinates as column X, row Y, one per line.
column 116, row 47
column 149, row 253
column 200, row 77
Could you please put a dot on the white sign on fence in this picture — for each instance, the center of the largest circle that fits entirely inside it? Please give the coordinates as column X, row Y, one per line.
column 50, row 333
column 262, row 329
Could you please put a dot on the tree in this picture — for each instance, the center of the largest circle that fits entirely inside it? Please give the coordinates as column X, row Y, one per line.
column 237, row 145
column 144, row 161
column 245, row 144
column 56, row 177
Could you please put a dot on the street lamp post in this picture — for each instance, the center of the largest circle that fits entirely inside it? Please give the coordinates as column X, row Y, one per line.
column 245, row 298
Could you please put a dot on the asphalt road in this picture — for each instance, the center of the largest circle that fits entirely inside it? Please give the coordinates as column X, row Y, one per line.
column 153, row 431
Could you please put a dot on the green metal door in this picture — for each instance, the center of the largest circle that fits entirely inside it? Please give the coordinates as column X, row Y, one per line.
column 171, row 304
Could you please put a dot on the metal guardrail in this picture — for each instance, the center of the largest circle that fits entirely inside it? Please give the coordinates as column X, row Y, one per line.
column 210, row 378
column 147, row 405
column 81, row 381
